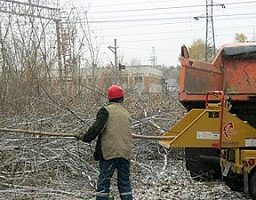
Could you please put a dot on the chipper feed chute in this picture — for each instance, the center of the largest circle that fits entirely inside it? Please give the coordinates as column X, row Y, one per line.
column 212, row 127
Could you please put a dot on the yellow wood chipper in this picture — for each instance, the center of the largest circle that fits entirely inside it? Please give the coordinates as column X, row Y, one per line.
column 219, row 130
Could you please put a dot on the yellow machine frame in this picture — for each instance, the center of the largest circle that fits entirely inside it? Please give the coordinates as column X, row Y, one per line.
column 213, row 127
column 216, row 127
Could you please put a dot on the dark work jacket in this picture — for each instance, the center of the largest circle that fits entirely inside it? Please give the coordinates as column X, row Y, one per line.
column 95, row 130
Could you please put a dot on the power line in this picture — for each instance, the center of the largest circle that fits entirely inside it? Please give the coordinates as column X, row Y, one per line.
column 157, row 19
column 227, row 29
column 145, row 25
column 155, row 8
column 149, row 9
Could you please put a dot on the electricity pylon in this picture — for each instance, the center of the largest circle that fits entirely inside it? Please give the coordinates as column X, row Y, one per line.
column 210, row 49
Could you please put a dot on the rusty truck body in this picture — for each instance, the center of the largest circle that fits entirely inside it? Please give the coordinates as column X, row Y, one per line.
column 219, row 130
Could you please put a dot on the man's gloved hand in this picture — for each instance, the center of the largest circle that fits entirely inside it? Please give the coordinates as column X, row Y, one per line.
column 79, row 136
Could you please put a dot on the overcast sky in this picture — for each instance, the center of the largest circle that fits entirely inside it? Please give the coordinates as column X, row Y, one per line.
column 140, row 25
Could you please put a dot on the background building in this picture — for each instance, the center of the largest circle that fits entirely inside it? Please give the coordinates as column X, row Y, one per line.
column 139, row 79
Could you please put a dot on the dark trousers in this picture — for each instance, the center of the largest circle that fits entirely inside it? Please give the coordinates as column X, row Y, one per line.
column 107, row 169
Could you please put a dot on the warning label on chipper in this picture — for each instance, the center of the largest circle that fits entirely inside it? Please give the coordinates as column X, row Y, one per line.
column 251, row 142
column 207, row 135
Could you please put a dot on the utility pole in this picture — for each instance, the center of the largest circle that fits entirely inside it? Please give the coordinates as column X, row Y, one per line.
column 210, row 49
column 116, row 71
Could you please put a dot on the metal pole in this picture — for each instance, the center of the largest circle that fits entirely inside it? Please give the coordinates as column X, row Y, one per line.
column 115, row 71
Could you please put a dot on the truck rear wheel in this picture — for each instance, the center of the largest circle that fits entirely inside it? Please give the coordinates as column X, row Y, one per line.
column 252, row 186
column 234, row 182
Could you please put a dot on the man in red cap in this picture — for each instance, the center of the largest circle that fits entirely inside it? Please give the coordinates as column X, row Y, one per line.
column 114, row 145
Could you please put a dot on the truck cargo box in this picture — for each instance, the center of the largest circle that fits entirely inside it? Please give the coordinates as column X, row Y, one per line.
column 232, row 71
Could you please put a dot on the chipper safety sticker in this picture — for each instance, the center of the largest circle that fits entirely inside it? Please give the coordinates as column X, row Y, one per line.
column 208, row 135
column 250, row 142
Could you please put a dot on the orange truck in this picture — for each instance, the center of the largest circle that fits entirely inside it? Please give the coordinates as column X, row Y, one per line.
column 219, row 130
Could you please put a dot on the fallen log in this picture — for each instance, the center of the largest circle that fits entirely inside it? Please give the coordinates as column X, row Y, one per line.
column 33, row 132
column 69, row 135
